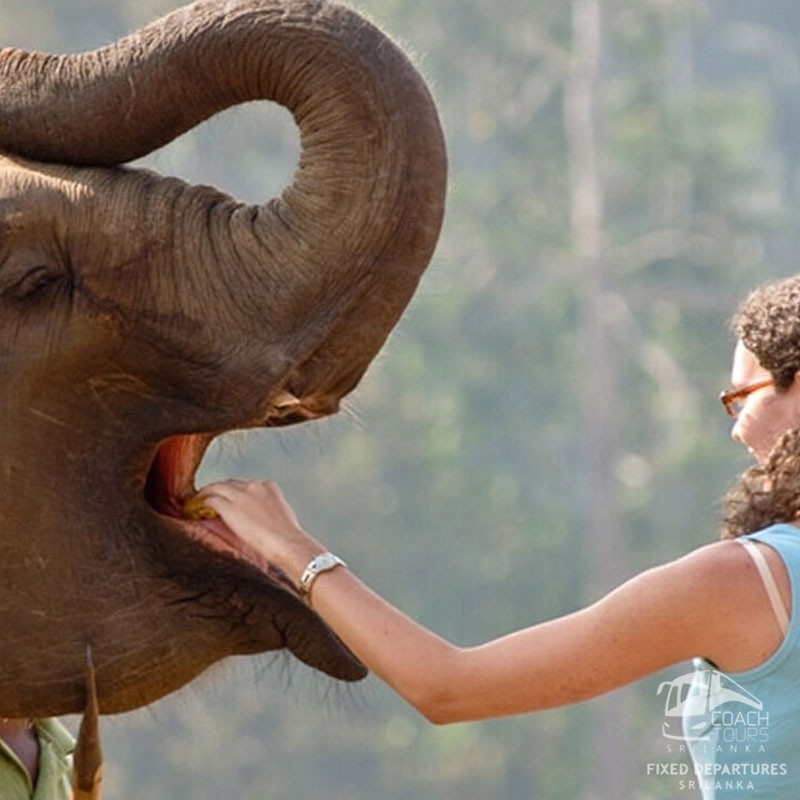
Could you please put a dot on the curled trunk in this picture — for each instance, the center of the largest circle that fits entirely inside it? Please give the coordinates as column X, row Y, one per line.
column 330, row 264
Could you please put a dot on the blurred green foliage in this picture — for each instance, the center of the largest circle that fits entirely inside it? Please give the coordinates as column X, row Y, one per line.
column 454, row 481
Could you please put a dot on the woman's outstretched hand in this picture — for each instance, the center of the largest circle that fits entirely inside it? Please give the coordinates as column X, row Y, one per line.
column 259, row 514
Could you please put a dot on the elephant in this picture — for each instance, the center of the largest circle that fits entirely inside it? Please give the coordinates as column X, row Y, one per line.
column 142, row 317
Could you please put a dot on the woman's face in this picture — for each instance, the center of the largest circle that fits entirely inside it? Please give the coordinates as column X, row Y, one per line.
column 767, row 412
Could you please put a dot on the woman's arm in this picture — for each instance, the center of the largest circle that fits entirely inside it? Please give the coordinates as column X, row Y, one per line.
column 707, row 603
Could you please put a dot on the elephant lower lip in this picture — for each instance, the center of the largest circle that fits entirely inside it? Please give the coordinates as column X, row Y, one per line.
column 216, row 535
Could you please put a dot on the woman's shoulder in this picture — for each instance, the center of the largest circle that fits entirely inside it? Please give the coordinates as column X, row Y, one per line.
column 737, row 616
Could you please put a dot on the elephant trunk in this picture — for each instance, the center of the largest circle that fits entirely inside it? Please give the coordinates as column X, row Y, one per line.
column 332, row 263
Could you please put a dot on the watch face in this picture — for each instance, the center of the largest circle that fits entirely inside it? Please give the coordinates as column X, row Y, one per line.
column 321, row 563
column 325, row 561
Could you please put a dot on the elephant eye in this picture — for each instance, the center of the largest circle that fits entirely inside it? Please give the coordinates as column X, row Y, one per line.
column 35, row 281
column 27, row 275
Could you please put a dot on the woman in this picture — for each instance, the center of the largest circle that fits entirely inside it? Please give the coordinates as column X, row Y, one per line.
column 723, row 602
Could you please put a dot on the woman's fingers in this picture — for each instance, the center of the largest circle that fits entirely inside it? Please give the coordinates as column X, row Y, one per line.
column 248, row 502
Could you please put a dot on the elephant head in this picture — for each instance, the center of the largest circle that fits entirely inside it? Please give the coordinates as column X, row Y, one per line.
column 140, row 317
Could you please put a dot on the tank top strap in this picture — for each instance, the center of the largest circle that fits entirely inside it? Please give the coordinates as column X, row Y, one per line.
column 767, row 578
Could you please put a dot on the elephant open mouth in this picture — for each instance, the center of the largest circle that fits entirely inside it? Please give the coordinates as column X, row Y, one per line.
column 170, row 483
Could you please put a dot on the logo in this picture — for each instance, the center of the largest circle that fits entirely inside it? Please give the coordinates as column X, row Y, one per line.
column 723, row 732
column 703, row 702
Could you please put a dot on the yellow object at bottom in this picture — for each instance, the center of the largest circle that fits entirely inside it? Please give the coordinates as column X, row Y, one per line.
column 195, row 509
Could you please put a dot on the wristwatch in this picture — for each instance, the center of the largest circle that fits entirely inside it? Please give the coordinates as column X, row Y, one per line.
column 317, row 565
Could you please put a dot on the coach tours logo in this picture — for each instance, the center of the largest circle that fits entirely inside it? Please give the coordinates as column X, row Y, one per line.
column 706, row 703
column 718, row 731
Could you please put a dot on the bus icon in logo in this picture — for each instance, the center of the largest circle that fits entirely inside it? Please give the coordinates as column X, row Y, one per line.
column 692, row 700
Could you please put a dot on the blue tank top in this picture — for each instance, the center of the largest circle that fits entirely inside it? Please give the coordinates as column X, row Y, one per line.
column 743, row 728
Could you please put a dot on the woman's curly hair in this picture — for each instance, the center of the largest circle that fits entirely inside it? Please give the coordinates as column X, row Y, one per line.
column 768, row 324
column 765, row 494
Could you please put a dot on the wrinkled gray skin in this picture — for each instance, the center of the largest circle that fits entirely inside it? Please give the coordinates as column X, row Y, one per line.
column 140, row 316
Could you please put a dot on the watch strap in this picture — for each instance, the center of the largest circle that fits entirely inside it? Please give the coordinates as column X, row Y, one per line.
column 319, row 564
